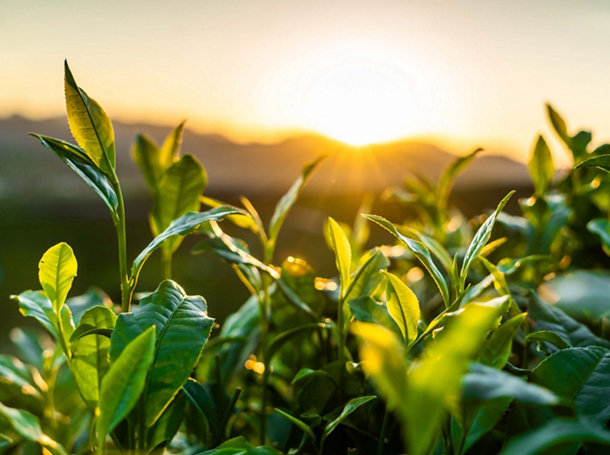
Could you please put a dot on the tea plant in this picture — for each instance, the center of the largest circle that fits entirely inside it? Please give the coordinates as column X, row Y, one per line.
column 439, row 342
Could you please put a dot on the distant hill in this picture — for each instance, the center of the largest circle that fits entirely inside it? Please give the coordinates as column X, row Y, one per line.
column 28, row 170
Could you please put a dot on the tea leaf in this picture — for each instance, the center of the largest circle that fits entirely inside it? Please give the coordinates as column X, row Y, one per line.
column 35, row 304
column 481, row 238
column 403, row 306
column 178, row 193
column 580, row 375
column 549, row 337
column 366, row 278
column 486, row 383
column 351, row 406
column 420, row 251
column 147, row 156
column 181, row 226
column 365, row 309
column 298, row 423
column 27, row 426
column 79, row 162
column 343, row 254
column 541, row 166
column 599, row 161
column 124, row 382
column 558, row 124
column 499, row 347
column 90, row 353
column 601, row 227
column 550, row 318
column 445, row 183
column 90, row 125
column 287, row 201
column 239, row 446
column 557, row 431
column 182, row 326
column 56, row 271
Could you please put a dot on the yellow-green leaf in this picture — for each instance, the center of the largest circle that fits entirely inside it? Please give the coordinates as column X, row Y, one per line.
column 56, row 271
column 541, row 166
column 89, row 124
column 343, row 253
column 403, row 306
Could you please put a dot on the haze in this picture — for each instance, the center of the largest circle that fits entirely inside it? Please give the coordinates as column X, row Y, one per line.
column 462, row 74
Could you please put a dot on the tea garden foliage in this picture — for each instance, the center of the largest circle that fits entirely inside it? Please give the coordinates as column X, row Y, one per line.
column 440, row 342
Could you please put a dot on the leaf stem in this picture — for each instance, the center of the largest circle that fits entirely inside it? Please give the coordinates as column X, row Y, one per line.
column 341, row 342
column 122, row 243
column 166, row 263
column 384, row 430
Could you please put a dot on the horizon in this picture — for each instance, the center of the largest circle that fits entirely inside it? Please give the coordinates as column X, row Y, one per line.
column 462, row 76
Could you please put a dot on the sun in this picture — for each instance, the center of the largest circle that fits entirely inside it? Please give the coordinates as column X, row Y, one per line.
column 361, row 103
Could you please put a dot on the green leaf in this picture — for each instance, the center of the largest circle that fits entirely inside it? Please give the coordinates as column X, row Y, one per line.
column 90, row 352
column 365, row 309
column 437, row 377
column 348, row 409
column 403, row 306
column 485, row 383
column 581, row 376
column 170, row 150
column 287, row 201
column 541, row 166
column 366, row 278
column 446, row 181
column 481, row 238
column 601, row 227
column 36, row 305
column 485, row 418
column 147, row 156
column 77, row 160
column 343, row 254
column 298, row 423
column 421, row 252
column 90, row 125
column 550, row 318
column 559, row 125
column 182, row 226
column 239, row 446
column 547, row 336
column 124, row 382
column 499, row 347
column 178, row 192
column 182, row 327
column 56, row 271
column 27, row 426
column 168, row 424
column 599, row 161
column 557, row 431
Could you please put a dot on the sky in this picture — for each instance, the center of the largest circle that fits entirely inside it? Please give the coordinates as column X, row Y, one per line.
column 463, row 74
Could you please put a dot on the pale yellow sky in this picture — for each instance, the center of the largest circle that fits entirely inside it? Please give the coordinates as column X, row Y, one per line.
column 466, row 73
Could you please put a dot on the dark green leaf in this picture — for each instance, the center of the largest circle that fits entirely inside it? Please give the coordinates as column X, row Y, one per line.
column 550, row 318
column 485, row 383
column 599, row 161
column 298, row 423
column 558, row 124
column 77, row 160
column 124, row 382
column 581, row 376
column 164, row 430
column 421, row 252
column 558, row 431
column 90, row 125
column 601, row 227
column 239, row 446
column 182, row 326
column 348, row 409
column 181, row 226
column 549, row 337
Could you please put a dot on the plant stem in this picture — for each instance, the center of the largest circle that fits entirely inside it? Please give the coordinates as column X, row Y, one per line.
column 341, row 342
column 384, row 429
column 122, row 242
column 264, row 309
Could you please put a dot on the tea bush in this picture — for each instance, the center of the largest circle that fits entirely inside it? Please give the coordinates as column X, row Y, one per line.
column 441, row 342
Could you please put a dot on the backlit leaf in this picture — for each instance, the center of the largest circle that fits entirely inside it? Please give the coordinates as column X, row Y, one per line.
column 343, row 253
column 541, row 166
column 56, row 271
column 403, row 306
column 90, row 125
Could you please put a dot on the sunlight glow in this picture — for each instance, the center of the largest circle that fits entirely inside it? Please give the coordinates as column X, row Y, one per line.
column 360, row 103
